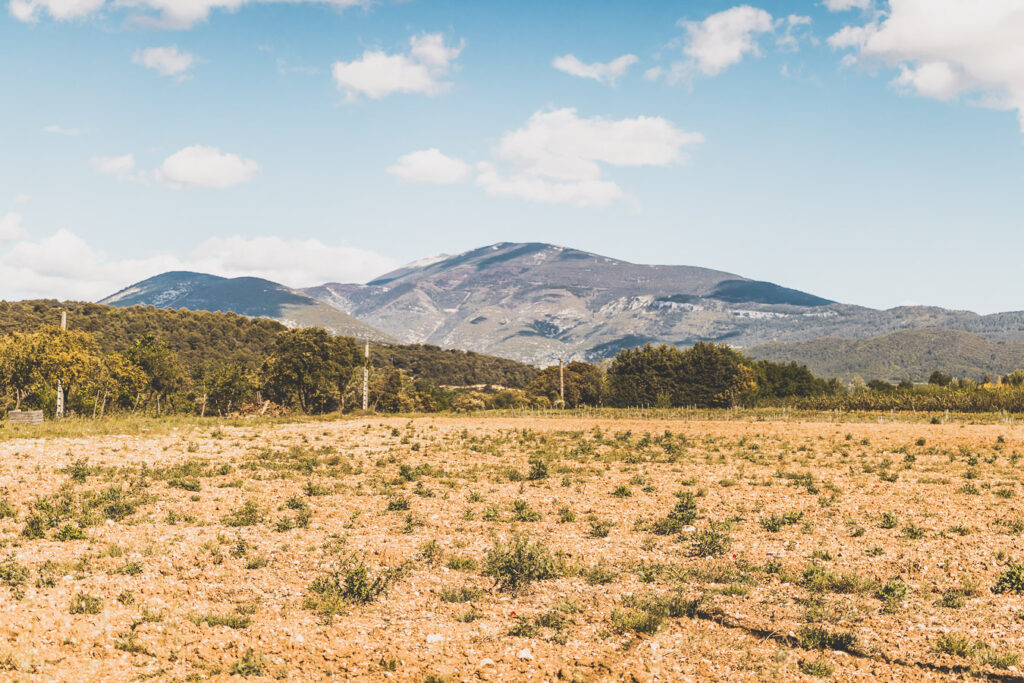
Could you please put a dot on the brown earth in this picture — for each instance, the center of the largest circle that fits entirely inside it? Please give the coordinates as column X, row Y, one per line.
column 163, row 560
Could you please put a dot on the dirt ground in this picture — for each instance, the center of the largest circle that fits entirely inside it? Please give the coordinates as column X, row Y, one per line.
column 386, row 549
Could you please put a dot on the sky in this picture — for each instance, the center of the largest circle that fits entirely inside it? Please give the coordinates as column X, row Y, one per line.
column 867, row 151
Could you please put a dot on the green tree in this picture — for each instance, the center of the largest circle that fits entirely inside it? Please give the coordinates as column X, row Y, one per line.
column 584, row 384
column 66, row 358
column 309, row 369
column 160, row 366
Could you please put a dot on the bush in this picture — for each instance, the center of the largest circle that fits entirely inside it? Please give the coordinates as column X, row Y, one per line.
column 1011, row 580
column 354, row 584
column 251, row 664
column 636, row 621
column 818, row 638
column 819, row 668
column 517, row 564
column 85, row 604
column 710, row 543
column 682, row 515
column 247, row 515
column 538, row 470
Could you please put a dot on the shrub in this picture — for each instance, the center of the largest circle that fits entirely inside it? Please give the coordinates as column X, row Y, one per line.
column 819, row 668
column 818, row 638
column 461, row 594
column 636, row 621
column 622, row 491
column 251, row 664
column 247, row 515
column 682, row 515
column 398, row 504
column 600, row 528
column 710, row 543
column 892, row 594
column 461, row 563
column 538, row 470
column 70, row 532
column 517, row 564
column 521, row 512
column 1011, row 580
column 954, row 644
column 85, row 604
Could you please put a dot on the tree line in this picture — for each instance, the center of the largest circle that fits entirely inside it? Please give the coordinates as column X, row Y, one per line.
column 158, row 362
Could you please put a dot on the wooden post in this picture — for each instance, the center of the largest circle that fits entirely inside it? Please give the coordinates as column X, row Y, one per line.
column 366, row 375
column 59, row 413
column 561, row 381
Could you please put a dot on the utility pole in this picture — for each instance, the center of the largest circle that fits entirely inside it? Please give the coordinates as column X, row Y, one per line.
column 366, row 375
column 59, row 413
column 561, row 381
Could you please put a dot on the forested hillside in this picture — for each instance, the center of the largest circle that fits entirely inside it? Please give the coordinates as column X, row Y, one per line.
column 214, row 339
column 906, row 355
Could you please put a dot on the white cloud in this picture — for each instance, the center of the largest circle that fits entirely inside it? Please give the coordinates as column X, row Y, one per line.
column 11, row 228
column 429, row 167
column 558, row 157
column 723, row 39
column 61, row 10
column 589, row 193
column 844, row 5
column 122, row 167
column 199, row 166
column 296, row 263
column 54, row 129
column 377, row 74
column 790, row 38
column 21, row 199
column 167, row 61
column 159, row 13
column 65, row 266
column 948, row 49
column 608, row 73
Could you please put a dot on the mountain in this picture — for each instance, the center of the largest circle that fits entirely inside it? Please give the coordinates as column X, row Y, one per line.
column 536, row 302
column 249, row 296
column 908, row 354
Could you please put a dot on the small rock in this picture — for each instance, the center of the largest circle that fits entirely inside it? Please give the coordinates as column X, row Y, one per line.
column 486, row 661
column 435, row 638
column 525, row 654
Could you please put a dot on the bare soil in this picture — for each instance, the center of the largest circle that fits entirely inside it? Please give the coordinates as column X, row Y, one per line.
column 852, row 551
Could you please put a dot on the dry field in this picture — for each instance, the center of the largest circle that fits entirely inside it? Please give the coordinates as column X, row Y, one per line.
column 456, row 549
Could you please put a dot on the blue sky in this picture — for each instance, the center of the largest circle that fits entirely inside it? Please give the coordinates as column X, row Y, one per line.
column 871, row 154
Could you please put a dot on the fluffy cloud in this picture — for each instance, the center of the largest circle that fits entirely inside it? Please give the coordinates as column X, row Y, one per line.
column 11, row 228
column 65, row 266
column 947, row 49
column 167, row 61
column 560, row 158
column 159, row 13
column 724, row 38
column 122, row 167
column 61, row 10
column 844, row 5
column 711, row 46
column 208, row 167
column 429, row 167
column 377, row 74
column 607, row 73
column 296, row 263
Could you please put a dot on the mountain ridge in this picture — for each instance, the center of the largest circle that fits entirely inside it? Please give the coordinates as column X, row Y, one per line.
column 537, row 302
